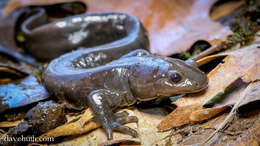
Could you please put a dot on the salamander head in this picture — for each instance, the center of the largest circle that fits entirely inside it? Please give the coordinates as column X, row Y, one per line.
column 181, row 78
column 163, row 76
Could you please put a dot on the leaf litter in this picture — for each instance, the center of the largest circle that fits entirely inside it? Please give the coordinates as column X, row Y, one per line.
column 236, row 65
column 245, row 71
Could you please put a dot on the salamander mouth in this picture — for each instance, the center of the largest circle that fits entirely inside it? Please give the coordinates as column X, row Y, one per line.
column 202, row 87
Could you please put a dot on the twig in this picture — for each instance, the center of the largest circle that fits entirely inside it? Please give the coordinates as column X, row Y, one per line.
column 207, row 52
column 230, row 116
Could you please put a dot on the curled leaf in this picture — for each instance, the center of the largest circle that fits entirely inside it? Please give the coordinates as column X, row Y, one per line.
column 9, row 73
column 21, row 93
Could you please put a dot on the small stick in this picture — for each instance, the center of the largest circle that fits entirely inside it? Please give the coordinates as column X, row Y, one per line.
column 230, row 116
column 207, row 52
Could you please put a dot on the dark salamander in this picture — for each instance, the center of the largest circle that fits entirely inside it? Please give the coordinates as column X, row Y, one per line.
column 116, row 69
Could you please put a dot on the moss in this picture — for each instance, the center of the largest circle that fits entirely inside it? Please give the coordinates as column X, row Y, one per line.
column 244, row 25
column 219, row 97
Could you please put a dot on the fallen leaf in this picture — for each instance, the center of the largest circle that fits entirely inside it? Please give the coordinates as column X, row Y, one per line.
column 253, row 94
column 7, row 124
column 233, row 88
column 221, row 11
column 236, row 65
column 9, row 73
column 180, row 116
column 81, row 126
column 173, row 25
column 21, row 93
column 253, row 73
column 12, row 70
column 230, row 117
column 146, row 128
column 204, row 114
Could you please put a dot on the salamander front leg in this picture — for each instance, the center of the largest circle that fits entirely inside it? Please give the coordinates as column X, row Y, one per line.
column 98, row 101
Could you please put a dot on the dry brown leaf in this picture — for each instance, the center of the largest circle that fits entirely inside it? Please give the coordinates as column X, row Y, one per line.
column 70, row 129
column 224, row 10
column 178, row 117
column 204, row 114
column 253, row 73
column 7, row 124
column 240, row 100
column 210, row 58
column 173, row 25
column 236, row 65
column 146, row 128
column 8, row 71
column 188, row 114
column 253, row 94
column 87, row 116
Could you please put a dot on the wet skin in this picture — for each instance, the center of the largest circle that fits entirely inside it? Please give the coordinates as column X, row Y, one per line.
column 47, row 41
column 119, row 73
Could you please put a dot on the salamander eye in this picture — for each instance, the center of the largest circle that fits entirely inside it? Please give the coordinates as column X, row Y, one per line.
column 175, row 77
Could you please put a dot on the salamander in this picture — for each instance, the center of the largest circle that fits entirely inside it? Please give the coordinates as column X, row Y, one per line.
column 118, row 73
column 48, row 40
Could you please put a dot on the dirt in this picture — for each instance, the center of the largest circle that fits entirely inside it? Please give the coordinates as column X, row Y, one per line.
column 243, row 130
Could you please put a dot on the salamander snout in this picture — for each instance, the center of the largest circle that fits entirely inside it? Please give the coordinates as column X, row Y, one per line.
column 200, row 83
column 185, row 78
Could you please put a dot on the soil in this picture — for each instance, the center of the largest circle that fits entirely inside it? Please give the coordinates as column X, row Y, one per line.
column 243, row 130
